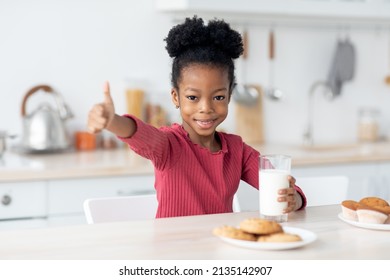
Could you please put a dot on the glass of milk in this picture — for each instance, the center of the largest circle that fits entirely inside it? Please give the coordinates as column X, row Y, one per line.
column 273, row 176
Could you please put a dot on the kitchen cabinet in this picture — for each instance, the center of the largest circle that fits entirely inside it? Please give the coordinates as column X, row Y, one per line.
column 250, row 10
column 384, row 180
column 365, row 179
column 60, row 202
column 67, row 196
column 23, row 200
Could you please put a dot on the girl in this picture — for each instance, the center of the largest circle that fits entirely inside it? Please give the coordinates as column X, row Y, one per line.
column 197, row 169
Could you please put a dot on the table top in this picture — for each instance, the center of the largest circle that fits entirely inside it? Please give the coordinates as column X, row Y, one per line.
column 191, row 238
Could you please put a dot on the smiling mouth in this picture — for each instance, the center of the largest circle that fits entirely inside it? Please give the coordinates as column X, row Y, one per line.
column 205, row 123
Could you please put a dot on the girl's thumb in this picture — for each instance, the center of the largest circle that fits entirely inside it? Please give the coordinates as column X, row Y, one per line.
column 107, row 94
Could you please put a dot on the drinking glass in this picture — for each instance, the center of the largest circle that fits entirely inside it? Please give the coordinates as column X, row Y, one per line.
column 273, row 176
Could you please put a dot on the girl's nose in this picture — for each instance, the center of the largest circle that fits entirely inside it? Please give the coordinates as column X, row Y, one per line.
column 206, row 106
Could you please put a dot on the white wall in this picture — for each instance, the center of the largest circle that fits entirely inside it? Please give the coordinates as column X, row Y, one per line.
column 76, row 45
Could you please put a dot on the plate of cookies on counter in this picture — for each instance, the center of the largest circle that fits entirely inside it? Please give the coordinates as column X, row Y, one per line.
column 368, row 212
column 257, row 233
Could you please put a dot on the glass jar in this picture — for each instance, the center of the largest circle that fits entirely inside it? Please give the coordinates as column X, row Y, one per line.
column 368, row 126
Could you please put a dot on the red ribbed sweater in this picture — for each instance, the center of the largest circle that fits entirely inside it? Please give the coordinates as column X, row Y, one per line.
column 189, row 179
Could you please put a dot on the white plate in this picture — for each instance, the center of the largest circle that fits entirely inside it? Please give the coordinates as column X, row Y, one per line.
column 307, row 237
column 365, row 225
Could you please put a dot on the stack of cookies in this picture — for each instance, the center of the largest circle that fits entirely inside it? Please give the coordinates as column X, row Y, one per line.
column 258, row 230
column 372, row 210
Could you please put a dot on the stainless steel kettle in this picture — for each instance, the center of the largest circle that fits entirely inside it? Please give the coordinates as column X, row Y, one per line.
column 44, row 129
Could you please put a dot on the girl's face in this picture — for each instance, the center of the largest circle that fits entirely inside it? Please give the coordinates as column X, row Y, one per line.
column 203, row 99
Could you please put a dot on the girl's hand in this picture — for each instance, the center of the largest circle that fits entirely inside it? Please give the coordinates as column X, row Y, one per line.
column 102, row 114
column 291, row 196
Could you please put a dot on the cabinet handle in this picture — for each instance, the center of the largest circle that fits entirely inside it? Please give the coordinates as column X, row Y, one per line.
column 6, row 200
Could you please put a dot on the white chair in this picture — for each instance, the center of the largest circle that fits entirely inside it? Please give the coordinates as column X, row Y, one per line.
column 236, row 204
column 121, row 208
column 323, row 190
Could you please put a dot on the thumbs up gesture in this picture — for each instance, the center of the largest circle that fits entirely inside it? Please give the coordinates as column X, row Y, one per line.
column 102, row 114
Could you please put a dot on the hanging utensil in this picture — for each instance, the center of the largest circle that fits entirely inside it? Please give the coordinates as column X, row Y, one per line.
column 343, row 66
column 272, row 92
column 243, row 93
column 387, row 78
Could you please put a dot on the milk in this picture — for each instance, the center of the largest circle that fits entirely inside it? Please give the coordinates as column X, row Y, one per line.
column 271, row 181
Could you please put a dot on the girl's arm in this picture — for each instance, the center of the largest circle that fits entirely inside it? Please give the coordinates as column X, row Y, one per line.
column 122, row 126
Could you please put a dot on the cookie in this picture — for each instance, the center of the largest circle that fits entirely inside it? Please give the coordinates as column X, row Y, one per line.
column 260, row 226
column 235, row 233
column 373, row 201
column 280, row 237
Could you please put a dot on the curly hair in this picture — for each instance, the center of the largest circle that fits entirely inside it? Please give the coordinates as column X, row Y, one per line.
column 193, row 42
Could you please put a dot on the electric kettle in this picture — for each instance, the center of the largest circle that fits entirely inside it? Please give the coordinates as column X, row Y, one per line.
column 44, row 128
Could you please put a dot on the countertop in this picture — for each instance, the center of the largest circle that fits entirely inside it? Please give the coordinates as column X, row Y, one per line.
column 124, row 162
column 188, row 238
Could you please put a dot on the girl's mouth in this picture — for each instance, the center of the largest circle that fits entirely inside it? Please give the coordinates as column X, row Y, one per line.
column 205, row 124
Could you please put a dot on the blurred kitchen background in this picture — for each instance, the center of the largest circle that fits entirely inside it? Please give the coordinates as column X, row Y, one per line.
column 74, row 46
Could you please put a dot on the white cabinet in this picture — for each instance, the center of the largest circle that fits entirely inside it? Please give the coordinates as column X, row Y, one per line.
column 366, row 179
column 373, row 10
column 384, row 181
column 23, row 200
column 60, row 202
column 67, row 196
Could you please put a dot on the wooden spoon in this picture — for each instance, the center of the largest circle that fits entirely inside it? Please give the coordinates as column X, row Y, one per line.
column 272, row 92
column 387, row 78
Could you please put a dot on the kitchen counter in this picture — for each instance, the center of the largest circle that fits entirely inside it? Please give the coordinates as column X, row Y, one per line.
column 185, row 238
column 119, row 162
column 123, row 162
column 332, row 154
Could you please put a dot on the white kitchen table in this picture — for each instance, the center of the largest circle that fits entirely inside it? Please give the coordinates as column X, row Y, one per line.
column 188, row 238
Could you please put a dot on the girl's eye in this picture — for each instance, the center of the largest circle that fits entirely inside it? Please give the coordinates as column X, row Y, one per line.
column 220, row 97
column 191, row 97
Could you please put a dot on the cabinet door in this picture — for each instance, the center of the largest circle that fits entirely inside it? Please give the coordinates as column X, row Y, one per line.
column 362, row 176
column 67, row 196
column 384, row 173
column 23, row 200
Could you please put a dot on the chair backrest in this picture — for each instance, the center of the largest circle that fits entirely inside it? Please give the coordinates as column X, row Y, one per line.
column 236, row 204
column 324, row 190
column 121, row 208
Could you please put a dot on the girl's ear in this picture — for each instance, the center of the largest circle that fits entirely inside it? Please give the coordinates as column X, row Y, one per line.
column 175, row 97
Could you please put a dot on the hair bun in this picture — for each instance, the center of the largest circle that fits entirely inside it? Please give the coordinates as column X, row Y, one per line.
column 225, row 38
column 193, row 33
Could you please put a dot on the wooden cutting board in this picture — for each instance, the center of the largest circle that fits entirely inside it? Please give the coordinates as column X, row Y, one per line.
column 250, row 120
